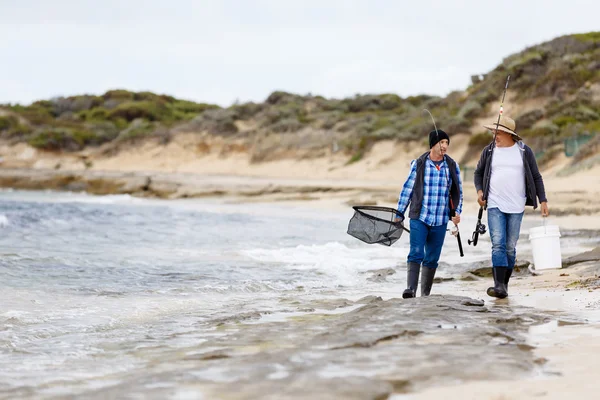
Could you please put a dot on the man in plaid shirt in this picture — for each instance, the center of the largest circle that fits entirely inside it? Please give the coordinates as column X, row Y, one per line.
column 434, row 191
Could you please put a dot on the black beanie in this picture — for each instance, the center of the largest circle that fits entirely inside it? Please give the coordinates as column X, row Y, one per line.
column 434, row 137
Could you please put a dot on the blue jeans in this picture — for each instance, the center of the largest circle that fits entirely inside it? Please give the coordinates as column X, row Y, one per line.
column 504, row 232
column 426, row 243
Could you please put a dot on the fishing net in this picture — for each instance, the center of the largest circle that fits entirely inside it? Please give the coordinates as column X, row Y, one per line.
column 382, row 225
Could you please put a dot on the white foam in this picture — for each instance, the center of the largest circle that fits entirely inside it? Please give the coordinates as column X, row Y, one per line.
column 3, row 221
column 51, row 196
column 338, row 263
column 331, row 255
column 108, row 199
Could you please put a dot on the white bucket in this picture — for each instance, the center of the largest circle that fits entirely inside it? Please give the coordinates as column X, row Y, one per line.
column 545, row 244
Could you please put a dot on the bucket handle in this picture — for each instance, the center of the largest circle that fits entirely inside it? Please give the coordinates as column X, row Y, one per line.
column 545, row 224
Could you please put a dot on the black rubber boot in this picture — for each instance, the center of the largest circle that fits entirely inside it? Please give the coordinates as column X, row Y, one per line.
column 427, row 275
column 412, row 280
column 509, row 272
column 499, row 289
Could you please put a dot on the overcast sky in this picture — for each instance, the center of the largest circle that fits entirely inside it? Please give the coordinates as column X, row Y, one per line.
column 220, row 51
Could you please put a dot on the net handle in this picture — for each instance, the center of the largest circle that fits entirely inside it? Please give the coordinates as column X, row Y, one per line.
column 375, row 208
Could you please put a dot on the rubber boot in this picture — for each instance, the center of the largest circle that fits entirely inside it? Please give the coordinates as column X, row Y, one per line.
column 427, row 275
column 412, row 280
column 499, row 289
column 509, row 272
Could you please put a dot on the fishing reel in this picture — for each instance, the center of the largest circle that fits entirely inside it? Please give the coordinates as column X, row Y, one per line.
column 481, row 229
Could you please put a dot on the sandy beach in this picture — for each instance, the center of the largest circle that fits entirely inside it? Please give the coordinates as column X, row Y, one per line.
column 184, row 168
column 194, row 166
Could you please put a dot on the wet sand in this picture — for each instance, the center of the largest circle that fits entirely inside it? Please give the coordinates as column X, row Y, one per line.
column 567, row 350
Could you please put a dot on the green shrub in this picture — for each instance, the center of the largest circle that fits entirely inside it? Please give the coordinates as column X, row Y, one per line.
column 388, row 132
column 190, row 108
column 153, row 97
column 363, row 103
column 579, row 111
column 137, row 129
column 480, row 139
column 279, row 97
column 104, row 131
column 95, row 114
column 83, row 137
column 390, row 101
column 304, row 118
column 8, row 122
column 593, row 37
column 454, row 124
column 17, row 131
column 219, row 121
column 287, row 125
column 359, row 147
column 130, row 111
column 485, row 96
column 592, row 127
column 564, row 120
column 81, row 103
column 355, row 158
column 35, row 114
column 119, row 95
column 543, row 128
column 470, row 110
column 381, row 123
column 329, row 119
column 248, row 110
column 528, row 119
column 53, row 140
column 418, row 101
column 525, row 58
column 407, row 135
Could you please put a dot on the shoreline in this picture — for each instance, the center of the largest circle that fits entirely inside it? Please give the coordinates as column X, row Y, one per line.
column 317, row 192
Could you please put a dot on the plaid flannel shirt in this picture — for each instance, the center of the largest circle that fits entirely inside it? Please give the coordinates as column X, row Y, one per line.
column 435, row 209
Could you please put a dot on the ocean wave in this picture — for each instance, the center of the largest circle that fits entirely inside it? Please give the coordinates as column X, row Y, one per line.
column 107, row 199
column 330, row 255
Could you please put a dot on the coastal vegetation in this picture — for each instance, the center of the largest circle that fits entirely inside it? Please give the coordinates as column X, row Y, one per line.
column 563, row 73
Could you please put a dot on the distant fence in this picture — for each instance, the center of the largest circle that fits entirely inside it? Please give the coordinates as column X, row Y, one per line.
column 573, row 144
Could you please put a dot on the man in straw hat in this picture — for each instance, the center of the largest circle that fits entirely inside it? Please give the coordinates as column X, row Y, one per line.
column 507, row 179
column 434, row 190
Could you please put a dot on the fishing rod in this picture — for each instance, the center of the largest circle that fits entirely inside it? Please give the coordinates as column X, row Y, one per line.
column 480, row 228
column 501, row 107
column 456, row 232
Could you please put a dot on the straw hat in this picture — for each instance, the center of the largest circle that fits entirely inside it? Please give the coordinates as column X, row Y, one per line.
column 506, row 124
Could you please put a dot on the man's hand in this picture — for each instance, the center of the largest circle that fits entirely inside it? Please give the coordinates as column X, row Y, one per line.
column 480, row 199
column 398, row 217
column 545, row 211
column 456, row 219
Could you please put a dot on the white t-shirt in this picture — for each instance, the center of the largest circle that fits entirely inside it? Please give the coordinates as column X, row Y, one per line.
column 507, row 183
